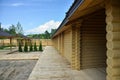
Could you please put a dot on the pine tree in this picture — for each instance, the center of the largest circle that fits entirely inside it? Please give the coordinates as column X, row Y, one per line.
column 20, row 47
column 26, row 47
column 31, row 47
column 40, row 47
column 35, row 47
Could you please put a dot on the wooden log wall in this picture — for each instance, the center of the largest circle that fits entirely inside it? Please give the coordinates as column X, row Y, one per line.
column 6, row 42
column 68, row 44
column 60, row 48
column 55, row 42
column 45, row 42
column 62, row 44
column 93, row 40
column 59, row 42
column 113, row 39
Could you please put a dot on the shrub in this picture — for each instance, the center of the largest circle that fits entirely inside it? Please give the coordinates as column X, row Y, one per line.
column 31, row 47
column 35, row 47
column 2, row 47
column 40, row 47
column 20, row 47
column 26, row 47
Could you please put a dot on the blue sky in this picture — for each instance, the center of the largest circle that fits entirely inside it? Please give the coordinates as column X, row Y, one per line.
column 35, row 16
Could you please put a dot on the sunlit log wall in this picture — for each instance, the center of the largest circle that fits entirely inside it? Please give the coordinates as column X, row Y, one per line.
column 75, row 62
column 113, row 39
column 45, row 42
column 98, row 44
column 68, row 44
column 6, row 42
column 55, row 42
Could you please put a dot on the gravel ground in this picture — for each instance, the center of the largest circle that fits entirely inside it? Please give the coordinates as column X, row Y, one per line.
column 16, row 69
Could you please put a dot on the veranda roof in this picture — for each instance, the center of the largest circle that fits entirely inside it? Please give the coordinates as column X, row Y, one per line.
column 25, row 37
column 21, row 36
column 5, row 34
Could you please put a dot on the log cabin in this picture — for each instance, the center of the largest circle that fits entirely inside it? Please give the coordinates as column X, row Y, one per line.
column 89, row 36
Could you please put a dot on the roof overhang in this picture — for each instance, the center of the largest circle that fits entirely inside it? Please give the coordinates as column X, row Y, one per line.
column 79, row 9
column 5, row 34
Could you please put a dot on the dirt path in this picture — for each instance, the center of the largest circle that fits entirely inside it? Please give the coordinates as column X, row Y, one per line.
column 20, row 56
column 16, row 69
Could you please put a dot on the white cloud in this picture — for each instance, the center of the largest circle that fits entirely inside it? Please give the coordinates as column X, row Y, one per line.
column 13, row 4
column 5, row 26
column 46, row 26
column 17, row 4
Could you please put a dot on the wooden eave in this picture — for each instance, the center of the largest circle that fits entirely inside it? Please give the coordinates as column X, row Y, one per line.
column 86, row 7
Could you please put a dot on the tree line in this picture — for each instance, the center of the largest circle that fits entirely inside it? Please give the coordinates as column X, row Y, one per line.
column 17, row 29
column 13, row 29
column 45, row 35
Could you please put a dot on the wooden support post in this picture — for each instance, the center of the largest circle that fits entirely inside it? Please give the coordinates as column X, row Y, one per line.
column 62, row 44
column 59, row 44
column 3, row 42
column 10, row 44
column 75, row 63
column 113, row 39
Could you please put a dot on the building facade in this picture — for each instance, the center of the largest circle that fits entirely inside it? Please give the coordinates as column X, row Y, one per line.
column 89, row 36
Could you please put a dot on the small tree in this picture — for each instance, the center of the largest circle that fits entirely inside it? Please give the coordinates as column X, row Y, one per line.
column 19, row 29
column 26, row 47
column 12, row 29
column 40, row 47
column 35, row 47
column 20, row 47
column 31, row 47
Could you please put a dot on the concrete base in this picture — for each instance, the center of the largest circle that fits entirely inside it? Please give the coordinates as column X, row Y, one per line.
column 52, row 66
